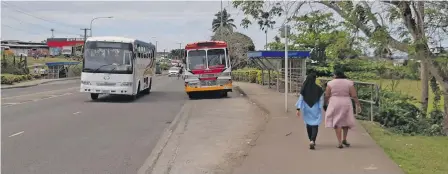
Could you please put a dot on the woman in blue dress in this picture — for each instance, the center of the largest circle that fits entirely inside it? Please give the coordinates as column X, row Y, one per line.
column 310, row 105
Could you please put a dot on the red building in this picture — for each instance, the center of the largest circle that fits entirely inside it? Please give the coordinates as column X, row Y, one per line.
column 55, row 44
column 60, row 42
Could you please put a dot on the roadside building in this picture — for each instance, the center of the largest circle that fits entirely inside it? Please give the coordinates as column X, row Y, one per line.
column 31, row 49
column 66, row 46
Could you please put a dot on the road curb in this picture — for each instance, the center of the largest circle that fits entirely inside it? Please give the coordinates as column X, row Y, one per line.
column 258, row 130
column 26, row 86
column 151, row 161
column 244, row 94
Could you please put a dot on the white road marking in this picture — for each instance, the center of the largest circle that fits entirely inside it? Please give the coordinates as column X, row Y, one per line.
column 10, row 103
column 371, row 167
column 17, row 96
column 18, row 133
column 35, row 100
column 76, row 113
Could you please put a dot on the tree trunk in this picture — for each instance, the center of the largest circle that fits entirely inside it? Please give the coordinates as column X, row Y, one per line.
column 424, row 75
column 445, row 108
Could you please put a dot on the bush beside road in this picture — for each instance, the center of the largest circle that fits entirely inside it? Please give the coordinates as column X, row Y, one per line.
column 10, row 79
column 402, row 121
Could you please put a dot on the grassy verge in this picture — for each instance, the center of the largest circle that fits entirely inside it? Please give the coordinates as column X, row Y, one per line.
column 32, row 61
column 410, row 87
column 415, row 154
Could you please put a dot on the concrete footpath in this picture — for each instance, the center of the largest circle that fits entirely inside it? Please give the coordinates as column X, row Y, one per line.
column 208, row 136
column 282, row 146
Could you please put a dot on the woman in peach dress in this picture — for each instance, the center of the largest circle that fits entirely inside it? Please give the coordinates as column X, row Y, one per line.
column 339, row 114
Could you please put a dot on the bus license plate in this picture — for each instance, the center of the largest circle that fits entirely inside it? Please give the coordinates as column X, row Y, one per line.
column 106, row 91
column 208, row 83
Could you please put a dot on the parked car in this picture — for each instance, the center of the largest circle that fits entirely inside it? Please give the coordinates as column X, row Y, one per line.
column 173, row 71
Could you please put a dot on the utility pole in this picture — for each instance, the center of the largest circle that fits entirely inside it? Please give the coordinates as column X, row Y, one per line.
column 266, row 45
column 180, row 50
column 52, row 33
column 85, row 33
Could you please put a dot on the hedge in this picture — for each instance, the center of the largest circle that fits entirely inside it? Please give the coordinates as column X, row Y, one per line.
column 252, row 75
column 396, row 111
column 11, row 78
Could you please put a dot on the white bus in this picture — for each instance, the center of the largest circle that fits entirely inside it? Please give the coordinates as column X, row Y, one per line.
column 117, row 65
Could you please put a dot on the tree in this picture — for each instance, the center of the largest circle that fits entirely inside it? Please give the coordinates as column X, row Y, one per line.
column 176, row 54
column 414, row 31
column 227, row 22
column 238, row 44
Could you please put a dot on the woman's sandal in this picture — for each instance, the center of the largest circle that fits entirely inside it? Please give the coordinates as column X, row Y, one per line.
column 340, row 146
column 312, row 146
column 345, row 143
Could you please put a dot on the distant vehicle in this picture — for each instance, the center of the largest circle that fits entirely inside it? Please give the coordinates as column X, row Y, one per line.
column 158, row 69
column 67, row 51
column 207, row 68
column 173, row 71
column 117, row 65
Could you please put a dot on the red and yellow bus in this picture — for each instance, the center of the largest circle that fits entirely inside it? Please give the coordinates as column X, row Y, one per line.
column 207, row 68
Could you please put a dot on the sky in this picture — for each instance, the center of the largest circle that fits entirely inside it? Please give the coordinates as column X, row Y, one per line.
column 167, row 22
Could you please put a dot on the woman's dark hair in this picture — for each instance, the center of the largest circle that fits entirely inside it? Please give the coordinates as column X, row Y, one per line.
column 340, row 74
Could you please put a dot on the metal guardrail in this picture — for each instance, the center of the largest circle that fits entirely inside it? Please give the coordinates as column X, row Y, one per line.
column 372, row 103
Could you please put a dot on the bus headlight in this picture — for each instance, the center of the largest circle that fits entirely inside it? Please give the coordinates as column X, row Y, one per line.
column 193, row 84
column 85, row 82
column 225, row 74
column 126, row 84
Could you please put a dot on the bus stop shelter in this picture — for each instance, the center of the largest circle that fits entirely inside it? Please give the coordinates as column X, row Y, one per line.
column 272, row 65
column 58, row 69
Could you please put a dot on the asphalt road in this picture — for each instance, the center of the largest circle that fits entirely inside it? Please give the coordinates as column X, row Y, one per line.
column 54, row 128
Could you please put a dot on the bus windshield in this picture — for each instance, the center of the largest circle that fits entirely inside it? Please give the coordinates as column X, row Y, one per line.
column 216, row 58
column 196, row 59
column 108, row 57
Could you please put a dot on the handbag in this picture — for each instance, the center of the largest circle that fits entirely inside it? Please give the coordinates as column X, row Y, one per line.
column 325, row 107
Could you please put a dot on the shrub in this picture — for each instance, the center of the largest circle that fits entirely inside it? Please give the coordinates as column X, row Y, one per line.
column 398, row 113
column 164, row 66
column 11, row 79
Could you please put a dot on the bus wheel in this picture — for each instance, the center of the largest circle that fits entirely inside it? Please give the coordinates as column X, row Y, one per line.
column 135, row 96
column 94, row 96
column 191, row 96
column 224, row 94
column 148, row 90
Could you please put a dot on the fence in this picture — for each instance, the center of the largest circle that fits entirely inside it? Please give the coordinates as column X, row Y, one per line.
column 368, row 95
column 14, row 64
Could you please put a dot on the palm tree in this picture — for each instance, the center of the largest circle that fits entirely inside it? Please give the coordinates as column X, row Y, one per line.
column 227, row 22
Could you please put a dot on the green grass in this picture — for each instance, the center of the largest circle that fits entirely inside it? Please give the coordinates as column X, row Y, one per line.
column 414, row 154
column 32, row 61
column 409, row 87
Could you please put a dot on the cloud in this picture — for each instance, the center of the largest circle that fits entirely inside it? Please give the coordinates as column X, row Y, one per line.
column 169, row 21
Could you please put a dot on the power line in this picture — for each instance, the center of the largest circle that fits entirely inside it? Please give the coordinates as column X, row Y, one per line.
column 21, row 30
column 57, row 31
column 23, row 12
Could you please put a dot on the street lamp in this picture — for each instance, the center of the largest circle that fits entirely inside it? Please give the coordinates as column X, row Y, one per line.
column 156, row 41
column 91, row 22
column 286, row 50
